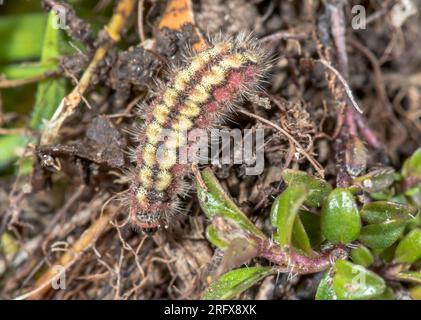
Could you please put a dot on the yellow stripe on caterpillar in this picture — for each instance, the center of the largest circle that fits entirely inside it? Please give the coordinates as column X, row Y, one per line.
column 197, row 63
column 153, row 132
column 233, row 61
column 190, row 109
column 149, row 155
column 166, row 156
column 161, row 113
column 200, row 94
column 145, row 176
column 142, row 195
column 164, row 180
column 182, row 123
column 170, row 97
column 213, row 78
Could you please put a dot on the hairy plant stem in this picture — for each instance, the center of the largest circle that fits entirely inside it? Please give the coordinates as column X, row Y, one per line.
column 297, row 263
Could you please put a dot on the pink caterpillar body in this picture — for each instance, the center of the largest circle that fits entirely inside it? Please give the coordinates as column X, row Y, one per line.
column 198, row 96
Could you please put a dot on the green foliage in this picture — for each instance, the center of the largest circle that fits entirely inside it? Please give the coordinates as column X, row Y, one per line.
column 376, row 180
column 214, row 201
column 10, row 146
column 300, row 239
column 411, row 174
column 388, row 294
column 340, row 219
column 409, row 276
column 23, row 70
column 50, row 91
column 311, row 223
column 354, row 282
column 362, row 255
column 386, row 232
column 383, row 211
column 213, row 236
column 382, row 235
column 21, row 36
column 233, row 283
column 284, row 212
column 318, row 189
column 409, row 248
column 412, row 166
column 325, row 289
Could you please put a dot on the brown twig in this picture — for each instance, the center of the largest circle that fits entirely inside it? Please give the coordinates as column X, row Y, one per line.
column 16, row 131
column 344, row 83
column 281, row 35
column 7, row 83
column 140, row 22
column 44, row 282
column 314, row 163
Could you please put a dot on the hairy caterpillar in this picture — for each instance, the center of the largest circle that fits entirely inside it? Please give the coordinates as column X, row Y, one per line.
column 198, row 95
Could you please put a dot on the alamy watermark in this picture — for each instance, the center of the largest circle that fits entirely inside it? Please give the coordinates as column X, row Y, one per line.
column 58, row 282
column 215, row 146
column 359, row 18
column 60, row 17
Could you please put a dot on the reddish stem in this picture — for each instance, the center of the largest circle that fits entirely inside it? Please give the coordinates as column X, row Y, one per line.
column 367, row 132
column 298, row 263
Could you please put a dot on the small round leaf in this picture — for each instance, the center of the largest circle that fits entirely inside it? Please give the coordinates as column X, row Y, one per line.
column 409, row 248
column 354, row 282
column 362, row 255
column 382, row 235
column 340, row 219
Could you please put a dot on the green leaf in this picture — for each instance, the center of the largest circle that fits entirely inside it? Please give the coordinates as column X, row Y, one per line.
column 50, row 92
column 382, row 235
column 412, row 165
column 21, row 36
column 233, row 283
column 216, row 202
column 213, row 237
column 382, row 211
column 409, row 248
column 386, row 255
column 325, row 289
column 415, row 292
column 9, row 146
column 311, row 224
column 340, row 219
column 284, row 211
column 239, row 251
column 386, row 194
column 354, row 282
column 318, row 189
column 388, row 294
column 362, row 256
column 411, row 172
column 409, row 276
column 48, row 97
column 300, row 239
column 376, row 180
column 24, row 70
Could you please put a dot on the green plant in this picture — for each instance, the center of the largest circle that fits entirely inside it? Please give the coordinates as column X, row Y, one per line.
column 48, row 46
column 360, row 243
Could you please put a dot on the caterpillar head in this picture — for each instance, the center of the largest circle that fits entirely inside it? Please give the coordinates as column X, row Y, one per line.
column 149, row 223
